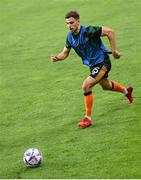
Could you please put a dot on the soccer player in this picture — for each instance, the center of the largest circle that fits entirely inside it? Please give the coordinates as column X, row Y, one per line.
column 87, row 43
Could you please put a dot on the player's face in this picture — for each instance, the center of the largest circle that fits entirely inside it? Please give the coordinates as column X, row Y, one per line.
column 73, row 25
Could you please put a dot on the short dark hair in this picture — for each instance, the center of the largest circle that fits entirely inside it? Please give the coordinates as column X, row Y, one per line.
column 73, row 14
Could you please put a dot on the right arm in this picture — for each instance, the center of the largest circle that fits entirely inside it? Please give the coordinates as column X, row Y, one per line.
column 112, row 40
column 61, row 56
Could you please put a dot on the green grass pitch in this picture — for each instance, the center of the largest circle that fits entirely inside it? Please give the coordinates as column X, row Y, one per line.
column 41, row 102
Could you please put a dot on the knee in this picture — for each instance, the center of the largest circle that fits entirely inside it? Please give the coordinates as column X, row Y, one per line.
column 85, row 87
column 104, row 88
column 107, row 86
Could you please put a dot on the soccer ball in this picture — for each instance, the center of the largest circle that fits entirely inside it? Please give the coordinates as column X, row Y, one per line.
column 32, row 157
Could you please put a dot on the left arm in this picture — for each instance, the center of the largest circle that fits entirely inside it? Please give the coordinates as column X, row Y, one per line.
column 112, row 40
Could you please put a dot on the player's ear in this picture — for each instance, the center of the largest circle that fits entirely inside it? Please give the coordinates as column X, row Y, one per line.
column 78, row 20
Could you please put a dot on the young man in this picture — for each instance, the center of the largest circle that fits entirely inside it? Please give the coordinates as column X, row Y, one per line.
column 86, row 42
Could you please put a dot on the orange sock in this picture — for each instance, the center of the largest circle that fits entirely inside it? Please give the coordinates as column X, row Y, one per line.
column 117, row 87
column 88, row 100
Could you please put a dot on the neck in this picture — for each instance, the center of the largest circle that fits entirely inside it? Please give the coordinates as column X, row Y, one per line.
column 77, row 31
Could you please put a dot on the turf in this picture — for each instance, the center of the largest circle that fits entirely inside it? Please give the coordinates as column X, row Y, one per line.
column 41, row 102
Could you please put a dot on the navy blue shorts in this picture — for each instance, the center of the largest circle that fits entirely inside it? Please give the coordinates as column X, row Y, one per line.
column 101, row 70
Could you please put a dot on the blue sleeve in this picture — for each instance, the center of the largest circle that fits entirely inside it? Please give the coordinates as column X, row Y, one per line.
column 93, row 31
column 68, row 45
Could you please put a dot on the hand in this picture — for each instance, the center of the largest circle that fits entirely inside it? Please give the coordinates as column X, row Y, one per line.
column 116, row 54
column 54, row 58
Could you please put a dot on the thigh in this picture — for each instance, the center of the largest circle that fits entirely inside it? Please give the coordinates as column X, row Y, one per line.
column 89, row 82
column 106, row 84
